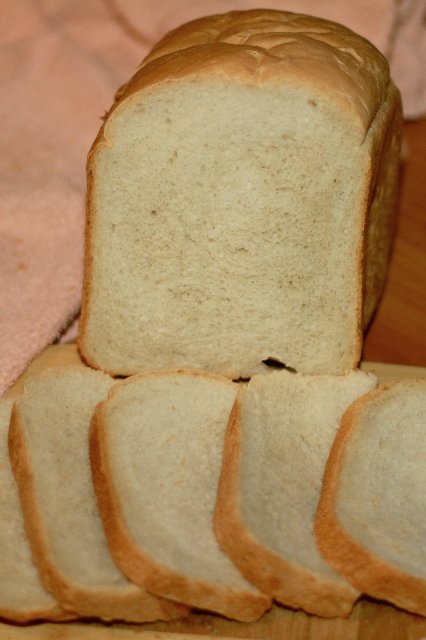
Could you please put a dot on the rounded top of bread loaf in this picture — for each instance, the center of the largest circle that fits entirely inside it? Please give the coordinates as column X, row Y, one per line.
column 267, row 46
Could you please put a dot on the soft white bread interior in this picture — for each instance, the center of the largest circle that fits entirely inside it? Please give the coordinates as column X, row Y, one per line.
column 22, row 596
column 156, row 447
column 49, row 446
column 371, row 521
column 240, row 200
column 276, row 450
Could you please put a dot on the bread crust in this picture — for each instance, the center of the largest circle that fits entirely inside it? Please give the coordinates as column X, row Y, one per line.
column 273, row 46
column 139, row 566
column 53, row 614
column 107, row 604
column 381, row 207
column 285, row 582
column 266, row 47
column 367, row 572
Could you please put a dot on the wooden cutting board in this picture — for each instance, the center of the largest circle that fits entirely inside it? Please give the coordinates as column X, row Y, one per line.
column 368, row 621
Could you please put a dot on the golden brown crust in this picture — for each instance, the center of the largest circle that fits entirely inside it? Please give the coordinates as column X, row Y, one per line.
column 290, row 41
column 139, row 567
column 382, row 207
column 362, row 568
column 285, row 582
column 266, row 46
column 108, row 604
column 88, row 267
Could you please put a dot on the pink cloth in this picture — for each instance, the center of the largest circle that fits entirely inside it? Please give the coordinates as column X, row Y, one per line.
column 60, row 64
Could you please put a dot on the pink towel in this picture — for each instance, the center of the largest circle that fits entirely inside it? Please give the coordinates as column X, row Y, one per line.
column 60, row 64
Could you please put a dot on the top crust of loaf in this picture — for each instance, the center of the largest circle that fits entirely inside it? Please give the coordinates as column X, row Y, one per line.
column 371, row 572
column 264, row 46
column 273, row 47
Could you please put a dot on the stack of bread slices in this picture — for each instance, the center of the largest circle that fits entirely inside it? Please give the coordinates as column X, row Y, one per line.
column 221, row 450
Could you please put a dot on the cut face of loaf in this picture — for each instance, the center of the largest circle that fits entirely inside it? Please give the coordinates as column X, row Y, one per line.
column 156, row 455
column 276, row 449
column 240, row 199
column 371, row 521
column 22, row 596
column 49, row 445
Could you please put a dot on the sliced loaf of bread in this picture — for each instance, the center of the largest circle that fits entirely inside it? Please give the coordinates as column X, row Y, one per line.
column 22, row 595
column 276, row 450
column 240, row 200
column 156, row 449
column 371, row 520
column 49, row 446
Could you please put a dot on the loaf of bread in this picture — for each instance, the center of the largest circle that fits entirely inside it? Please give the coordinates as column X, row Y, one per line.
column 49, row 446
column 276, row 448
column 371, row 517
column 156, row 450
column 240, row 200
column 22, row 596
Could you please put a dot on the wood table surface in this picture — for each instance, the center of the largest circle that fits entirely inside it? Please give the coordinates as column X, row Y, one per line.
column 397, row 334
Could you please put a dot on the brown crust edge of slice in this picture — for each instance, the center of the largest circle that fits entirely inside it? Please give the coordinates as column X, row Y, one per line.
column 139, row 566
column 52, row 614
column 288, row 584
column 367, row 572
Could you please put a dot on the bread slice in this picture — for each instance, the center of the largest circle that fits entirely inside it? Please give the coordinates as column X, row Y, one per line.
column 156, row 455
column 240, row 193
column 371, row 522
column 22, row 596
column 49, row 445
column 276, row 449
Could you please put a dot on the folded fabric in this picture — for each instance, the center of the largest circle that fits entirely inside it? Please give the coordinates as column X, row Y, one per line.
column 60, row 64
